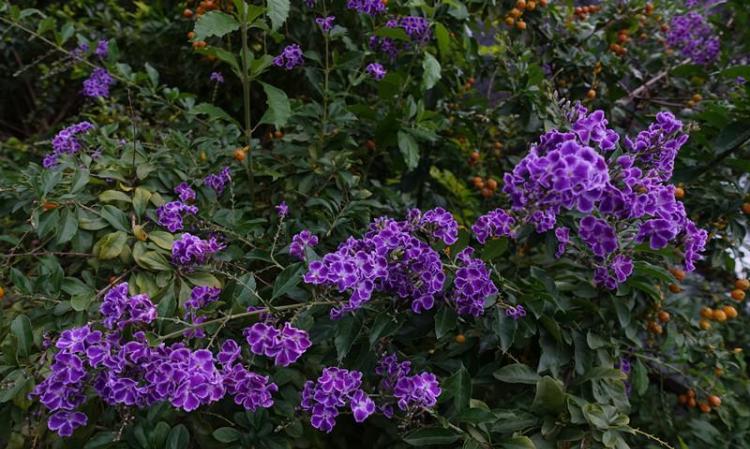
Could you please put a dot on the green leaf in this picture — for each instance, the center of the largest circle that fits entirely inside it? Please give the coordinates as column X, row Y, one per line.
column 640, row 378
column 227, row 434
column 110, row 246
column 550, row 396
column 69, row 226
column 212, row 111
column 348, row 330
column 384, row 326
column 163, row 239
column 443, row 40
column 153, row 75
column 140, row 200
column 287, row 280
column 178, row 438
column 409, row 149
column 278, row 11
column 203, row 278
column 113, row 195
column 151, row 260
column 214, row 23
column 431, row 435
column 278, row 111
column 392, row 33
column 458, row 386
column 21, row 330
column 79, row 303
column 520, row 442
column 445, row 321
column 516, row 373
column 115, row 217
column 431, row 74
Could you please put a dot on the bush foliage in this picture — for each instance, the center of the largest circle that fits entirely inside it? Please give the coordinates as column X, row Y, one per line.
column 510, row 224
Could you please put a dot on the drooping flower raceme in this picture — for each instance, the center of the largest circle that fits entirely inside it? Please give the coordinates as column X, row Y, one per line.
column 376, row 70
column 66, row 142
column 694, row 37
column 218, row 181
column 410, row 392
column 391, row 258
column 325, row 23
column 98, row 84
column 192, row 250
column 170, row 215
column 185, row 192
column 335, row 389
column 285, row 345
column 290, row 57
column 102, row 49
column 623, row 200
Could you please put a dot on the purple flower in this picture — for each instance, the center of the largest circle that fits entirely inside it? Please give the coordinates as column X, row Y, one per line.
column 170, row 215
column 472, row 285
column 229, row 353
column 185, row 192
column 410, row 392
column 369, row 7
column 290, row 57
column 598, row 235
column 438, row 223
column 250, row 390
column 201, row 296
column 282, row 210
column 563, row 238
column 102, row 49
column 515, row 312
column 119, row 309
column 304, row 239
column 192, row 250
column 98, row 84
column 65, row 422
column 417, row 28
column 217, row 77
column 694, row 37
column 334, row 389
column 218, row 181
column 497, row 223
column 325, row 23
column 66, row 142
column 285, row 345
column 376, row 70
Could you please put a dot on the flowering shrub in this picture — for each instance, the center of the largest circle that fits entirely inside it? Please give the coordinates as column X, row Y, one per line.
column 316, row 224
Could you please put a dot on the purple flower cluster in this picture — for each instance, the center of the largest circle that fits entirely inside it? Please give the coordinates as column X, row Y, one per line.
column 218, row 181
column 282, row 209
column 290, row 57
column 98, row 84
column 410, row 392
column 694, row 37
column 102, row 49
column 129, row 372
column 217, row 77
column 369, row 7
column 185, row 192
column 334, row 389
column 389, row 258
column 515, row 312
column 170, row 215
column 417, row 28
column 325, row 23
column 66, row 142
column 192, row 250
column 119, row 309
column 376, row 70
column 301, row 241
column 567, row 171
column 472, row 284
column 285, row 345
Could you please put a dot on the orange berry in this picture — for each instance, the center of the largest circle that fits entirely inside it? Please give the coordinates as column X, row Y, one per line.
column 674, row 288
column 704, row 325
column 486, row 193
column 510, row 21
column 738, row 295
column 2, row 293
column 746, row 208
column 460, row 339
column 679, row 193
column 515, row 13
column 240, row 154
column 474, row 156
column 521, row 4
column 492, row 184
column 691, row 393
column 704, row 407
column 707, row 312
column 191, row 35
column 370, row 144
column 730, row 312
column 498, row 145
column 187, row 13
column 49, row 205
column 691, row 403
column 682, row 399
column 664, row 316
column 202, row 156
column 531, row 5
column 697, row 98
column 591, row 94
column 720, row 316
column 543, row 3
column 678, row 273
column 742, row 284
column 521, row 25
column 714, row 400
column 278, row 134
column 199, row 44
column 655, row 328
